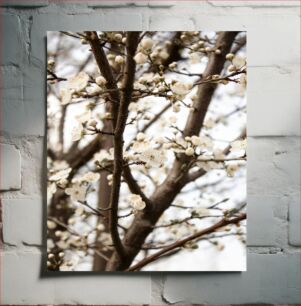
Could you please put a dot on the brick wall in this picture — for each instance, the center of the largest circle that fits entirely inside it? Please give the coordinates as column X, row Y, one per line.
column 273, row 152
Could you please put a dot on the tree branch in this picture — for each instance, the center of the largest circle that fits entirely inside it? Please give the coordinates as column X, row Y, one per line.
column 84, row 155
column 182, row 242
column 128, row 81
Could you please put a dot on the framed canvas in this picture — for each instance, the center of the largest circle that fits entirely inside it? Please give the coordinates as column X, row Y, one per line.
column 146, row 151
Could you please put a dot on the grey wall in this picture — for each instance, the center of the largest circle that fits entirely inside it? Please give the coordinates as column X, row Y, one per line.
column 273, row 151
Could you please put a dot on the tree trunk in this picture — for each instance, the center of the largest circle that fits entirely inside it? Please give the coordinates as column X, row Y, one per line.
column 104, row 192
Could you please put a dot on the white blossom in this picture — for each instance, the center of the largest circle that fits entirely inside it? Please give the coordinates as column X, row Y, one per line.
column 160, row 140
column 69, row 265
column 238, row 145
column 119, row 59
column 51, row 189
column 163, row 54
column 51, row 224
column 173, row 65
column 92, row 122
column 90, row 177
column 201, row 211
column 194, row 58
column 79, row 210
column 239, row 61
column 66, row 96
column 209, row 123
column 118, row 37
column 50, row 244
column 140, row 136
column 172, row 119
column 71, row 221
column 60, row 165
column 180, row 88
column 77, row 192
column 133, row 106
column 50, row 62
column 232, row 68
column 167, row 145
column 106, row 239
column 62, row 244
column 110, row 179
column 209, row 165
column 201, row 141
column 176, row 107
column 196, row 140
column 84, row 116
column 59, row 175
column 140, row 58
column 100, row 81
column 229, row 56
column 103, row 157
column 140, row 146
column 153, row 158
column 77, row 132
column 136, row 201
column 181, row 141
column 231, row 169
column 189, row 151
column 106, row 115
column 243, row 82
column 219, row 154
column 146, row 78
column 93, row 89
column 79, row 82
column 100, row 227
column 147, row 43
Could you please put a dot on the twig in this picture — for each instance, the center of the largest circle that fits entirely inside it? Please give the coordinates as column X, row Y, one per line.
column 54, row 77
column 95, row 210
column 70, row 34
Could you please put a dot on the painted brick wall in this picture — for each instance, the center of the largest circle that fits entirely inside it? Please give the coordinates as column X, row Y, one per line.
column 273, row 151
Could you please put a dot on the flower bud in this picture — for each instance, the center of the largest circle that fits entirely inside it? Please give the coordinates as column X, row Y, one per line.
column 100, row 80
column 119, row 59
column 229, row 56
column 147, row 43
column 189, row 151
column 118, row 37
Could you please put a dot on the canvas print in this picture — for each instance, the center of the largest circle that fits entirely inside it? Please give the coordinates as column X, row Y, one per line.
column 146, row 151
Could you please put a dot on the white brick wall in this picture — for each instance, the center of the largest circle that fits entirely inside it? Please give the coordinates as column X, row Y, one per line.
column 18, row 215
column 270, row 278
column 10, row 167
column 273, row 149
column 28, row 284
